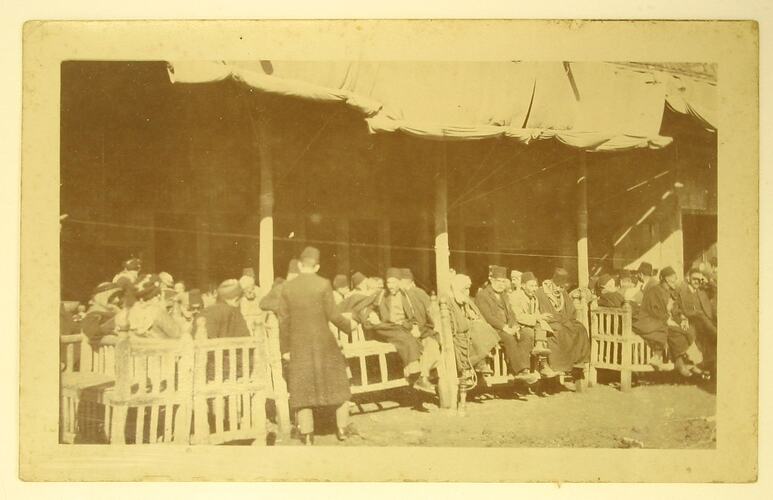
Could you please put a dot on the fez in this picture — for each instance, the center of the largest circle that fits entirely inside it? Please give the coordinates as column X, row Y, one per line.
column 560, row 276
column 497, row 272
column 528, row 276
column 310, row 255
column 666, row 272
column 229, row 289
column 393, row 272
column 645, row 268
column 340, row 281
column 406, row 274
column 357, row 278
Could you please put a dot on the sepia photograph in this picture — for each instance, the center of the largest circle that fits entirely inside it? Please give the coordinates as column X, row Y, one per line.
column 327, row 252
column 429, row 254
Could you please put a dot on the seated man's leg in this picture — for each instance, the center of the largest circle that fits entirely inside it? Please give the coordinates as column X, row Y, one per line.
column 430, row 355
column 518, row 354
column 407, row 346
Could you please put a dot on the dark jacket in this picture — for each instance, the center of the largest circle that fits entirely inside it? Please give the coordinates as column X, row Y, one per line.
column 224, row 320
column 695, row 303
column 611, row 299
column 317, row 368
column 495, row 308
column 271, row 301
column 415, row 308
column 653, row 314
column 97, row 323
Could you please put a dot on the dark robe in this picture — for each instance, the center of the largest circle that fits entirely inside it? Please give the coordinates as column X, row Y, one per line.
column 354, row 303
column 271, row 301
column 398, row 334
column 495, row 309
column 611, row 299
column 224, row 320
column 317, row 369
column 696, row 305
column 97, row 323
column 569, row 343
column 473, row 337
column 651, row 322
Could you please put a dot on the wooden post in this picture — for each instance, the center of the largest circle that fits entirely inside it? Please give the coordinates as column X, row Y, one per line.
column 628, row 338
column 447, row 384
column 583, row 273
column 594, row 347
column 343, row 265
column 266, row 231
column 121, row 392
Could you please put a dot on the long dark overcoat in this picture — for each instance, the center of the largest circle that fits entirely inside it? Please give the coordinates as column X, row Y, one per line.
column 317, row 368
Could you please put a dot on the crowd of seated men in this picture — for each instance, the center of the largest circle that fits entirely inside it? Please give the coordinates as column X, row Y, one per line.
column 535, row 323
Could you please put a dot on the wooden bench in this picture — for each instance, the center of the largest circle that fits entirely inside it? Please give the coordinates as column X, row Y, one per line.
column 614, row 345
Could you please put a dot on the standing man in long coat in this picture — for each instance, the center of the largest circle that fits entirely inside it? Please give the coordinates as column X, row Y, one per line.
column 317, row 367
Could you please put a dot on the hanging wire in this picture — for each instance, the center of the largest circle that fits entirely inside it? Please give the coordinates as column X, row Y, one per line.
column 311, row 241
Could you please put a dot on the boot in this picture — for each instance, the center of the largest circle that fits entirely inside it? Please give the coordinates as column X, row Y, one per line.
column 307, row 439
column 656, row 360
column 423, row 384
column 546, row 371
column 527, row 377
column 683, row 367
column 346, row 432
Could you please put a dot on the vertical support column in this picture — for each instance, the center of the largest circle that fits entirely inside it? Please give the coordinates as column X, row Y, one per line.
column 583, row 273
column 202, row 250
column 266, row 230
column 447, row 384
column 343, row 265
column 678, row 234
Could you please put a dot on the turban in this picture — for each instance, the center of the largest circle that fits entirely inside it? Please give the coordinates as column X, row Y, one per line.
column 166, row 279
column 246, row 282
column 406, row 274
column 310, row 254
column 528, row 276
column 393, row 272
column 666, row 272
column 292, row 267
column 560, row 276
column 229, row 289
column 497, row 272
column 645, row 268
column 340, row 281
column 357, row 278
column 459, row 281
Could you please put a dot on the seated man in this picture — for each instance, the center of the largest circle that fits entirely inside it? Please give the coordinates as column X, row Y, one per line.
column 145, row 314
column 568, row 339
column 340, row 288
column 473, row 337
column 608, row 293
column 249, row 305
column 360, row 294
column 518, row 343
column 131, row 271
column 421, row 304
column 662, row 325
column 694, row 303
column 533, row 322
column 647, row 277
column 224, row 318
column 389, row 316
column 100, row 318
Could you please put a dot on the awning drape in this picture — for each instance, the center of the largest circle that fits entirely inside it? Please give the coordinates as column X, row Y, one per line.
column 590, row 106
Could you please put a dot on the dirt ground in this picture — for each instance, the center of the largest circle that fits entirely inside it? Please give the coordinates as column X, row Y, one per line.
column 659, row 412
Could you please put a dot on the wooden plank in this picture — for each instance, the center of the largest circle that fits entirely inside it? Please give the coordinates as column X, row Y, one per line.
column 232, row 364
column 218, row 366
column 168, row 419
column 246, row 370
column 363, row 371
column 140, row 425
column 218, row 409
column 153, row 431
column 70, row 358
column 382, row 365
column 233, row 416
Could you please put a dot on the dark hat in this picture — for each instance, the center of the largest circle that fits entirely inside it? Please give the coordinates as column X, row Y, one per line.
column 666, row 272
column 248, row 271
column 406, row 274
column 310, row 255
column 604, row 279
column 393, row 272
column 340, row 281
column 645, row 268
column 133, row 264
column 148, row 286
column 108, row 290
column 194, row 298
column 497, row 272
column 229, row 289
column 528, row 276
column 292, row 267
column 357, row 278
column 560, row 276
column 625, row 273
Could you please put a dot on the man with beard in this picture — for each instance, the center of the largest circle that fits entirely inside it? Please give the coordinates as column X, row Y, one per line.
column 568, row 339
column 663, row 326
column 249, row 305
column 494, row 305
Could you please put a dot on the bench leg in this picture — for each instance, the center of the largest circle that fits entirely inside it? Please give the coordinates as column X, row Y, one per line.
column 580, row 380
column 592, row 376
column 625, row 380
column 118, row 425
column 462, row 407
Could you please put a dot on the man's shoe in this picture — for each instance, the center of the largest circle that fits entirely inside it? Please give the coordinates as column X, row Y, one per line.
column 684, row 368
column 307, row 439
column 424, row 385
column 344, row 433
column 527, row 377
column 341, row 434
column 656, row 361
column 547, row 372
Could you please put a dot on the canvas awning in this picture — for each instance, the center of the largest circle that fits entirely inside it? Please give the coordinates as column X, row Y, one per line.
column 590, row 106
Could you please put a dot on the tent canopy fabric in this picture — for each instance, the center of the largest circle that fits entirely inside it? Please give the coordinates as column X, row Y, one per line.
column 590, row 106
